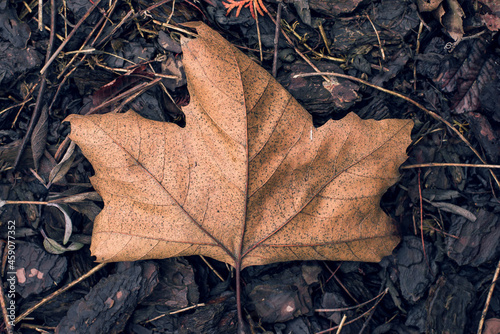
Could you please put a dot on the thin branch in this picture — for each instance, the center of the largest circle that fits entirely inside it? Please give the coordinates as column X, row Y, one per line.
column 448, row 164
column 277, row 39
column 63, row 44
column 58, row 292
column 488, row 299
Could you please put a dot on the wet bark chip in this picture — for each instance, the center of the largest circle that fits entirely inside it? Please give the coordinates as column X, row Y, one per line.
column 37, row 270
column 448, row 305
column 110, row 303
column 477, row 242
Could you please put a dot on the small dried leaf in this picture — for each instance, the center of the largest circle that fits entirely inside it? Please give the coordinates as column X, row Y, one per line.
column 68, row 224
column 492, row 20
column 39, row 136
column 452, row 20
column 448, row 207
column 60, row 170
column 82, row 197
column 54, row 247
column 428, row 5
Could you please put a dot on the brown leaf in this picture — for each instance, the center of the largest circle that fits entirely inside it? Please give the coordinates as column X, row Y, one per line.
column 248, row 180
column 452, row 20
column 39, row 136
column 468, row 75
column 492, row 18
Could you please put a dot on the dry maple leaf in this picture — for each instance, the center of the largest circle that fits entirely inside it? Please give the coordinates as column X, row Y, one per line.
column 248, row 181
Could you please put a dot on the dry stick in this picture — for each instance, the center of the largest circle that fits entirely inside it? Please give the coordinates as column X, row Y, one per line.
column 356, row 319
column 60, row 291
column 258, row 32
column 488, row 299
column 140, row 87
column 211, row 267
column 422, row 222
column 378, row 37
column 101, row 21
column 343, row 309
column 341, row 324
column 41, row 91
column 327, row 79
column 448, row 164
column 40, row 15
column 63, row 44
column 5, row 315
column 417, row 50
column 277, row 38
column 174, row 312
column 418, row 105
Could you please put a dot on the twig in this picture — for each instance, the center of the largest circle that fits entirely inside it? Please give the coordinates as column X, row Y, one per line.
column 378, row 37
column 277, row 38
column 325, row 39
column 327, row 79
column 417, row 50
column 211, row 267
column 102, row 22
column 175, row 312
column 448, row 164
column 258, row 33
column 488, row 299
column 168, row 25
column 422, row 221
column 356, row 319
column 341, row 324
column 343, row 309
column 143, row 86
column 41, row 91
column 60, row 291
column 40, row 15
column 63, row 44
column 418, row 105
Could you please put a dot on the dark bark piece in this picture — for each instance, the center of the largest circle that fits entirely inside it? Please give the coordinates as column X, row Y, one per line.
column 110, row 303
column 486, row 134
column 37, row 270
column 217, row 316
column 399, row 16
column 333, row 300
column 448, row 305
column 467, row 73
column 280, row 297
column 11, row 28
column 15, row 61
column 176, row 288
column 414, row 272
column 302, row 325
column 311, row 92
column 394, row 328
column 396, row 64
column 393, row 20
column 39, row 136
column 333, row 8
column 490, row 100
column 477, row 242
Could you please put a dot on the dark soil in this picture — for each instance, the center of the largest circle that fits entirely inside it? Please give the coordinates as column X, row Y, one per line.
column 436, row 281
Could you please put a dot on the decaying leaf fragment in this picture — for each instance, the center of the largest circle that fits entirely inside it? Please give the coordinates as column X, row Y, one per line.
column 248, row 180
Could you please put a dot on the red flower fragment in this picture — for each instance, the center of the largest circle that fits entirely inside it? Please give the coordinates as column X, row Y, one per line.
column 251, row 4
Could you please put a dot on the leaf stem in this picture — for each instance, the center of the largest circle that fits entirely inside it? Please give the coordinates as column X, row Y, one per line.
column 241, row 324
